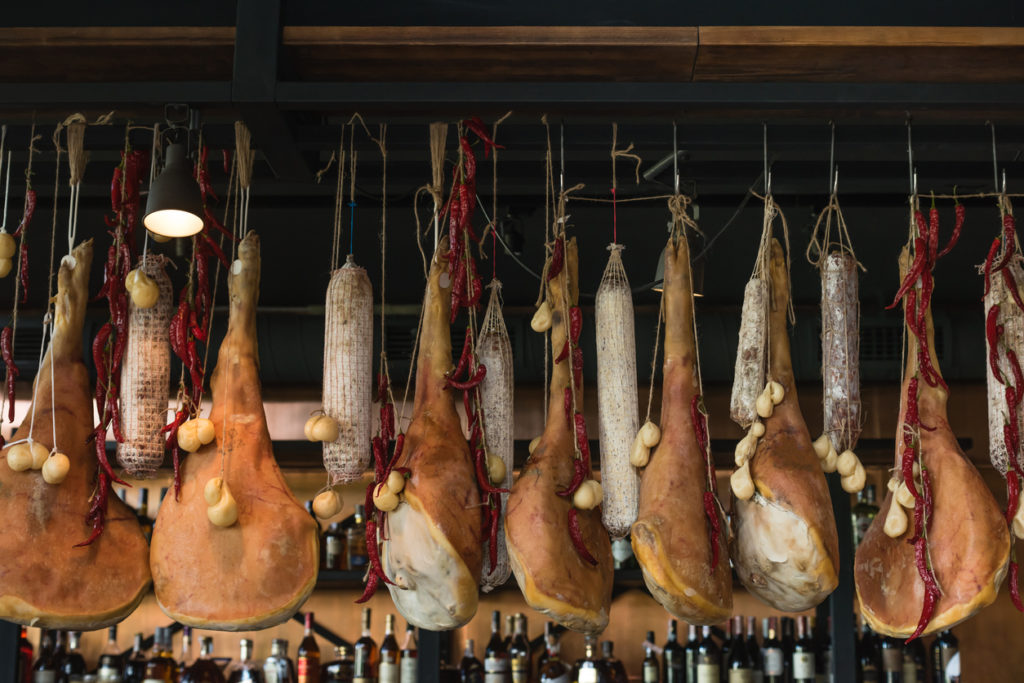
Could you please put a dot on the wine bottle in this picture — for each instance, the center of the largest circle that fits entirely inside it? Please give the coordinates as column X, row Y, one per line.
column 590, row 669
column 892, row 660
column 863, row 513
column 690, row 653
column 673, row 657
column 470, row 669
column 725, row 648
column 914, row 659
column 204, row 669
column 72, row 669
column 788, row 645
column 753, row 650
column 945, row 657
column 341, row 669
column 111, row 665
column 497, row 668
column 772, row 655
column 650, row 665
column 161, row 667
column 553, row 669
column 408, row 670
column 307, row 658
column 278, row 668
column 869, row 656
column 23, row 673
column 709, row 658
column 135, row 667
column 613, row 666
column 334, row 555
column 355, row 541
column 43, row 670
column 519, row 651
column 245, row 670
column 508, row 630
column 387, row 669
column 365, row 652
column 740, row 663
column 186, row 649
column 803, row 653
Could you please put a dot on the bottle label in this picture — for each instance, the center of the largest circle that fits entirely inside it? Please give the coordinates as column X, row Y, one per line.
column 892, row 660
column 587, row 675
column 650, row 672
column 909, row 671
column 110, row 674
column 496, row 670
column 706, row 673
column 303, row 667
column 408, row 670
column 773, row 661
column 44, row 676
column 333, row 551
column 520, row 668
column 741, row 676
column 153, row 680
column 361, row 679
column 271, row 671
column 803, row 665
column 387, row 672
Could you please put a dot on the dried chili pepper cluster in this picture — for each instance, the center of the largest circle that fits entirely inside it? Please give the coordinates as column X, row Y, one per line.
column 699, row 417
column 109, row 345
column 916, row 292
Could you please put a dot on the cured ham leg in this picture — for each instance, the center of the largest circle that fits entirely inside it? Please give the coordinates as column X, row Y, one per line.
column 553, row 577
column 968, row 542
column 258, row 571
column 44, row 580
column 672, row 537
column 432, row 547
column 784, row 544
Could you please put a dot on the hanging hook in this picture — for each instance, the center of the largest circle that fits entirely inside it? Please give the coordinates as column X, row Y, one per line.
column 675, row 156
column 835, row 181
column 561, row 155
column 764, row 152
column 7, row 191
column 832, row 157
column 995, row 170
column 910, row 159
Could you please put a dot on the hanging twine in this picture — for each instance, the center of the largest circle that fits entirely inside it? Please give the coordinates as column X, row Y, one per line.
column 435, row 188
column 624, row 153
column 338, row 202
column 245, row 154
column 76, row 153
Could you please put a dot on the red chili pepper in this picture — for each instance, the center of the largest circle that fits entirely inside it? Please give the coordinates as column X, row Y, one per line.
column 29, row 211
column 933, row 233
column 371, row 549
column 396, row 454
column 477, row 126
column 931, row 596
column 1012, row 496
column 1018, row 373
column 700, row 425
column 492, row 535
column 98, row 512
column 581, row 440
column 387, row 421
column 577, row 366
column 564, row 353
column 711, row 512
column 926, row 486
column 467, row 351
column 961, row 213
column 568, row 404
column 916, row 268
column 557, row 259
column 215, row 250
column 482, row 478
column 989, row 262
column 922, row 225
column 992, row 334
column 575, row 323
column 1014, row 587
column 100, row 444
column 377, row 445
column 7, row 350
column 1009, row 230
column 23, row 271
column 116, row 188
column 469, row 159
column 477, row 377
column 1011, row 284
column 577, row 538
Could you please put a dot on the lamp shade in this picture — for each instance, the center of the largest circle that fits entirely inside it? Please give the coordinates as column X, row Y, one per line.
column 174, row 207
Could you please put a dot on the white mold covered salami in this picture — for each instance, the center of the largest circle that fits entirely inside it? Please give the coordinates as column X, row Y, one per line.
column 840, row 349
column 748, row 380
column 1001, row 310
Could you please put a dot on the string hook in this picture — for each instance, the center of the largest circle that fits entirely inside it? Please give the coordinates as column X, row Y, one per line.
column 995, row 169
column 912, row 173
column 764, row 152
column 675, row 156
column 832, row 158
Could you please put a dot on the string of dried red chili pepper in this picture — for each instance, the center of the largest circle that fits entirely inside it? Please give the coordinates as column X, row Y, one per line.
column 7, row 350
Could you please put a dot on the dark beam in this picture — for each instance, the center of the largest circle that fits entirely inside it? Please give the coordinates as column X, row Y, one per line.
column 257, row 44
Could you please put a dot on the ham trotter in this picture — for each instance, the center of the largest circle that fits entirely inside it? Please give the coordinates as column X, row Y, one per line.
column 432, row 547
column 672, row 537
column 965, row 547
column 554, row 576
column 248, row 559
column 784, row 544
column 44, row 580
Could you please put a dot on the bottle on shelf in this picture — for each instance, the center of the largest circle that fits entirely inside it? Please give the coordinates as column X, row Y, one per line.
column 342, row 669
column 135, row 666
column 650, row 668
column 709, row 658
column 59, row 652
column 245, row 670
column 334, row 547
column 365, row 653
column 753, row 650
column 497, row 667
column 307, row 659
column 725, row 648
column 863, row 513
column 914, row 662
column 519, row 651
column 869, row 656
column 946, row 658
column 111, row 665
column 823, row 660
column 551, row 669
column 186, row 648
column 509, row 626
column 142, row 513
column 590, row 669
column 161, row 667
column 615, row 668
column 673, row 657
column 43, row 670
column 803, row 653
column 387, row 667
column 408, row 670
column 23, row 673
column 772, row 657
column 278, row 668
column 892, row 660
column 470, row 668
column 203, row 669
column 786, row 625
column 355, row 541
column 690, row 654
column 740, row 664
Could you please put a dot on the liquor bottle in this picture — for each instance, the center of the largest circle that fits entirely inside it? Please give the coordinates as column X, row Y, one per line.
column 914, row 659
column 772, row 655
column 111, row 665
column 355, row 541
column 387, row 669
column 788, row 644
column 365, row 652
column 408, row 670
column 142, row 513
column 186, row 649
column 673, row 657
column 869, row 656
column 43, row 671
column 690, row 654
column 740, row 664
column 945, row 657
column 342, row 669
column 519, row 651
column 590, row 669
column 277, row 668
column 334, row 547
column 803, row 653
column 245, row 670
column 650, row 665
column 552, row 669
column 863, row 513
column 23, row 673
column 615, row 668
column 709, row 659
column 725, row 648
column 161, row 667
column 497, row 668
column 307, row 659
column 470, row 668
column 135, row 667
column 509, row 627
column 59, row 653
column 204, row 669
column 754, row 651
column 892, row 660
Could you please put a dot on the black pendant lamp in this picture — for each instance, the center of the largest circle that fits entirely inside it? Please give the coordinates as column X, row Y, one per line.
column 174, row 207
